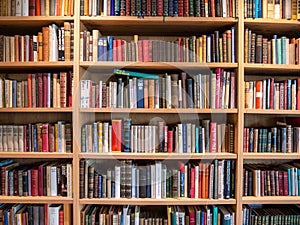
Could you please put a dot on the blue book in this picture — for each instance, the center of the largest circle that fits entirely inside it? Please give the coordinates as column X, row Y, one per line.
column 171, row 8
column 283, row 139
column 279, row 50
column 14, row 93
column 283, row 50
column 140, row 93
column 110, row 47
column 251, row 139
column 102, row 49
column 276, row 49
column 95, row 137
column 175, row 8
column 182, row 184
column 215, row 212
column 126, row 135
column 120, row 93
column 269, row 142
column 100, row 181
column 184, row 138
column 202, row 217
column 135, row 74
column 113, row 186
column 227, row 180
column 112, row 7
column 289, row 94
column 190, row 96
column 298, row 176
column 148, row 181
column 197, row 140
column 35, row 147
column 6, row 162
column 201, row 139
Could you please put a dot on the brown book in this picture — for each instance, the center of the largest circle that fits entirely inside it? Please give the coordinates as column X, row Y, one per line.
column 45, row 43
column 151, row 95
column 174, row 90
column 259, row 49
column 228, row 45
column 39, row 137
column 146, row 93
column 252, row 52
column 63, row 89
column 183, row 87
column 265, row 51
column 224, row 47
column 269, row 46
column 67, row 41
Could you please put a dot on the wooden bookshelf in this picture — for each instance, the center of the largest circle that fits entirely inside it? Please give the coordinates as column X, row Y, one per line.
column 271, row 155
column 36, row 155
column 168, row 201
column 35, row 65
column 274, row 69
column 158, row 156
column 272, row 200
column 36, row 200
column 272, row 111
column 36, row 110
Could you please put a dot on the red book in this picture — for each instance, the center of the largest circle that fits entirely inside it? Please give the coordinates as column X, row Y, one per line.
column 140, row 51
column 146, row 50
column 116, row 139
column 262, row 183
column 285, row 94
column 272, row 93
column 166, row 139
column 61, row 217
column 159, row 9
column 285, row 183
column 218, row 78
column 115, row 56
column 29, row 91
column 46, row 214
column 148, row 7
column 37, row 7
column 119, row 50
column 41, row 180
column 298, row 94
column 232, row 90
column 45, row 137
column 34, row 182
column 192, row 187
column 245, row 139
column 31, row 57
column 127, row 8
column 40, row 90
column 45, row 90
column 69, row 89
column 192, row 215
column 206, row 179
column 213, row 137
column 170, row 141
column 31, row 7
column 259, row 94
column 280, row 181
column 185, row 7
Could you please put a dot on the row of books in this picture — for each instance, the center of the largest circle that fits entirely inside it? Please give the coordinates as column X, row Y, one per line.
column 39, row 137
column 37, row 8
column 215, row 47
column 215, row 90
column 276, row 50
column 271, row 94
column 53, row 43
column 41, row 179
column 268, row 180
column 122, row 136
column 39, row 90
column 158, row 180
column 284, row 138
column 43, row 214
column 176, row 215
column 197, row 8
column 272, row 9
column 270, row 214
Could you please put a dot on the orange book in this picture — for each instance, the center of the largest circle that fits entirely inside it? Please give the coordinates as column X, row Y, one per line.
column 58, row 7
column 37, row 7
column 86, row 8
column 67, row 28
column 29, row 91
column 66, row 8
column 151, row 94
column 116, row 139
column 71, row 8
column 40, row 46
column 146, row 94
column 258, row 94
column 45, row 43
column 47, row 8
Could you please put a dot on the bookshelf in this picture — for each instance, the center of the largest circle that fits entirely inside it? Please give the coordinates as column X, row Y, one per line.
column 149, row 26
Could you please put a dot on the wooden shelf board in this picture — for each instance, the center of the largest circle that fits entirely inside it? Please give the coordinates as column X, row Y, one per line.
column 278, row 26
column 272, row 111
column 170, row 111
column 164, row 156
column 119, row 25
column 35, row 200
column 156, row 65
column 38, row 155
column 272, row 200
column 39, row 110
column 267, row 156
column 271, row 68
column 148, row 201
column 33, row 65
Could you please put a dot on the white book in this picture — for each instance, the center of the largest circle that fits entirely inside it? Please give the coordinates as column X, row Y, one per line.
column 189, row 137
column 211, row 181
column 53, row 181
column 168, row 92
column 136, row 215
column 27, row 48
column 264, row 99
column 15, row 138
column 54, row 47
column 131, row 94
column 95, row 34
column 94, row 8
column 164, row 181
column 105, row 137
column 53, row 211
column 220, row 179
column 185, row 181
column 133, row 182
column 81, row 43
column 154, row 138
column 69, row 180
column 136, row 139
column 153, row 181
column 109, row 138
column 10, row 138
column 146, row 140
column 213, row 91
column 178, row 184
column 25, row 8
column 117, row 181
column 134, row 92
column 1, row 91
column 180, row 141
column 208, row 49
column 104, row 13
column 196, row 181
column 179, row 94
column 100, row 94
column 4, row 138
column 158, row 179
column 137, row 182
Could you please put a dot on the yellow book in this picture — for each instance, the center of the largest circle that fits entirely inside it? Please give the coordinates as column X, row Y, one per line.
column 100, row 137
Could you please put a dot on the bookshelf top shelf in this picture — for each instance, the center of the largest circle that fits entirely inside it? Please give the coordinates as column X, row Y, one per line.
column 35, row 65
column 30, row 155
column 255, row 68
column 165, row 111
column 271, row 26
column 157, row 66
column 154, row 156
column 119, row 25
column 148, row 201
column 272, row 111
column 271, row 155
column 38, row 110
column 36, row 200
column 271, row 200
